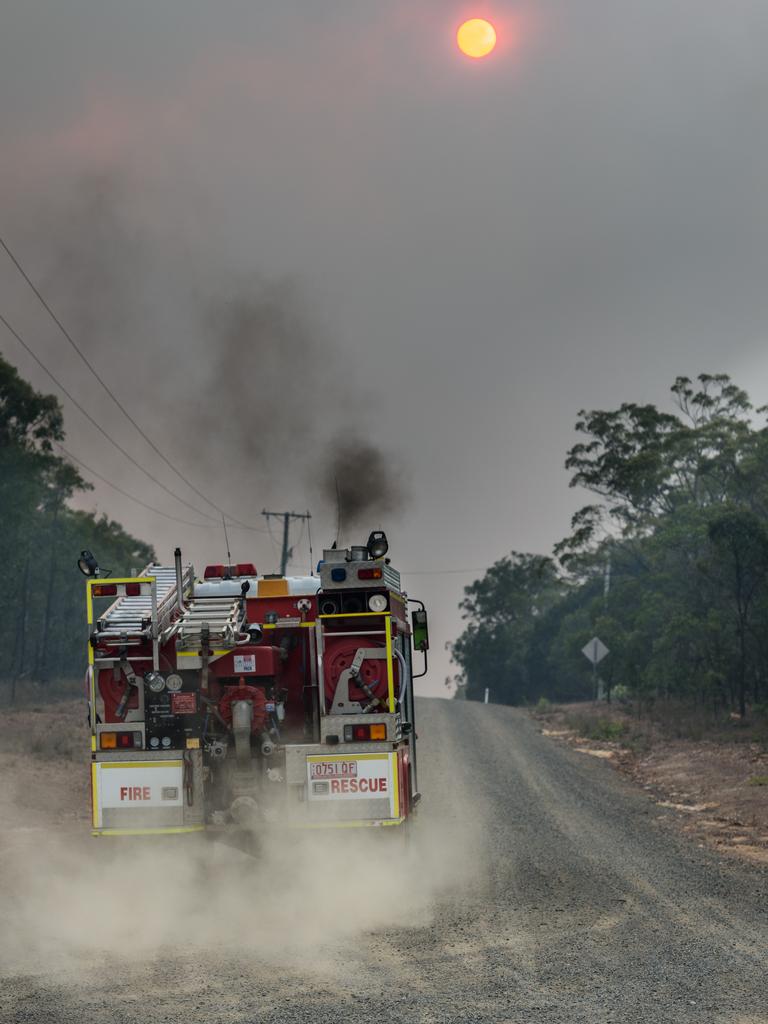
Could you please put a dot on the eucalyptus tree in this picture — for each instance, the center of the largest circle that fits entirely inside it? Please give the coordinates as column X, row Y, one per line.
column 41, row 601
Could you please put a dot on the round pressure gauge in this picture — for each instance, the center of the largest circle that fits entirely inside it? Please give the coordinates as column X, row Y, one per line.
column 155, row 682
column 166, row 741
column 377, row 602
column 174, row 683
column 154, row 742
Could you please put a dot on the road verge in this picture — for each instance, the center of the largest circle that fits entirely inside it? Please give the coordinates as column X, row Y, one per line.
column 714, row 777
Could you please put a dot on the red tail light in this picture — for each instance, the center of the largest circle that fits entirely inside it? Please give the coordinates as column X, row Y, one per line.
column 362, row 733
column 133, row 589
column 104, row 590
column 128, row 740
column 369, row 574
column 120, row 741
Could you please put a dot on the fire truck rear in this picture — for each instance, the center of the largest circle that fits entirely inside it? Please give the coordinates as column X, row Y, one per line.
column 244, row 702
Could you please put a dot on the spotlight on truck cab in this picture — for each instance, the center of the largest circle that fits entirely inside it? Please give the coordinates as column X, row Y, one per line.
column 87, row 564
column 378, row 545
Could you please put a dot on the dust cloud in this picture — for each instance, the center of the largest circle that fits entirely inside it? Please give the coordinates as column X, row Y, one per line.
column 70, row 901
column 74, row 906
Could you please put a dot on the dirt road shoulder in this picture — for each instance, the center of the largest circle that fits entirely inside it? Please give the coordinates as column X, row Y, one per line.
column 717, row 782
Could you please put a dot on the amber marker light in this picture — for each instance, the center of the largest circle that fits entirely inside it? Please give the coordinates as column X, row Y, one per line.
column 476, row 38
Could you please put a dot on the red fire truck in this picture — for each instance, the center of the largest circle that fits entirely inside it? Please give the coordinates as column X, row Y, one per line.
column 241, row 701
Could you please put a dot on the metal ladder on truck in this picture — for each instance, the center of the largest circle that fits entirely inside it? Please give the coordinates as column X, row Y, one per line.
column 220, row 617
column 209, row 628
column 142, row 612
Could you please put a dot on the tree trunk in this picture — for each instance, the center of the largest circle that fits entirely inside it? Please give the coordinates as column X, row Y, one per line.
column 41, row 661
column 742, row 680
column 20, row 644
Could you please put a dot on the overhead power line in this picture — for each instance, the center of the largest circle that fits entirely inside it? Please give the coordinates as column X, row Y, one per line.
column 96, row 424
column 286, row 517
column 144, row 504
column 440, row 572
column 109, row 391
column 127, row 494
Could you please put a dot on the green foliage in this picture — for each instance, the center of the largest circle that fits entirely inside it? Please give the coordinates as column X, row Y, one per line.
column 607, row 730
column 503, row 610
column 601, row 729
column 42, row 603
column 681, row 526
column 29, row 421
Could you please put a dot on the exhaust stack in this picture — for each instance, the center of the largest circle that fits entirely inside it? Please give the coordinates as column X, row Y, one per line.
column 179, row 580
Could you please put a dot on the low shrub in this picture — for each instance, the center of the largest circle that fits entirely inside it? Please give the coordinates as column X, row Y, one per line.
column 601, row 729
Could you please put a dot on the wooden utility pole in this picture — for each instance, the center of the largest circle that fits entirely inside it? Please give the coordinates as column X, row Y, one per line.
column 286, row 517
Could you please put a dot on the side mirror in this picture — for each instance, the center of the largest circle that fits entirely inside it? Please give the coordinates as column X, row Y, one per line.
column 420, row 629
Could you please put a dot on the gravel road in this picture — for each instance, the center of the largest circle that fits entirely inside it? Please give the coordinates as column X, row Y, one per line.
column 541, row 886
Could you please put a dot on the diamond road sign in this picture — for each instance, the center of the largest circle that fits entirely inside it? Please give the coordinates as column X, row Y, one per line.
column 595, row 650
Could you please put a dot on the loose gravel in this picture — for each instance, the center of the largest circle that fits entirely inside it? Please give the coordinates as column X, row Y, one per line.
column 539, row 886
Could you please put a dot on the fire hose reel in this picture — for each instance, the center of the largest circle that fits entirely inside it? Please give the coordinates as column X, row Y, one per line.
column 356, row 677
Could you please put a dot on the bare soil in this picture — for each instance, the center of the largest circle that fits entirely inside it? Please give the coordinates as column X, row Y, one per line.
column 715, row 777
column 44, row 756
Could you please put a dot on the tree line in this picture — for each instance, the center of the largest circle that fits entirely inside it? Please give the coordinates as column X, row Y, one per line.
column 668, row 565
column 42, row 598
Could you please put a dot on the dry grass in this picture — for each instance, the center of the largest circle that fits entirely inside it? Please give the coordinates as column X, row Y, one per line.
column 53, row 732
column 711, row 770
column 29, row 693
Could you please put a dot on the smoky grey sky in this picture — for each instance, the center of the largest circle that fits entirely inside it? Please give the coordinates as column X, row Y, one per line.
column 276, row 225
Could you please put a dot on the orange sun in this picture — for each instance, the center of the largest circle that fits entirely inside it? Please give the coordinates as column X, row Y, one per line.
column 476, row 38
